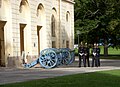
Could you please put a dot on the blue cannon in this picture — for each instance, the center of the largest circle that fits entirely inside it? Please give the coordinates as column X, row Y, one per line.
column 53, row 57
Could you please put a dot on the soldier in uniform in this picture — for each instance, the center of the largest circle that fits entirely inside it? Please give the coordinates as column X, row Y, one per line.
column 94, row 56
column 81, row 55
column 98, row 55
column 86, row 50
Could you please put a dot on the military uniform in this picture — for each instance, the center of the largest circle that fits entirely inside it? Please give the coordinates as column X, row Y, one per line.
column 86, row 49
column 82, row 56
column 95, row 56
column 98, row 55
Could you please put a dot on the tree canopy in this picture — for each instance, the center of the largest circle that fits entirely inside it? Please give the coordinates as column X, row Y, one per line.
column 98, row 19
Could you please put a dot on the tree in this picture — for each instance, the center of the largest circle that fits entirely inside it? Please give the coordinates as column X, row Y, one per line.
column 98, row 19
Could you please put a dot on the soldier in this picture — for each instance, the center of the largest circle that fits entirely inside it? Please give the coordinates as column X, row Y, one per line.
column 98, row 54
column 94, row 56
column 81, row 55
column 86, row 49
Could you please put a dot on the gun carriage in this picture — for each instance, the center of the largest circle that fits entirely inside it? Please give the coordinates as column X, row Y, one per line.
column 53, row 57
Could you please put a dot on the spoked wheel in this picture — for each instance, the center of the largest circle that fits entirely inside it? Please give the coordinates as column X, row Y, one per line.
column 48, row 58
column 72, row 53
column 66, row 57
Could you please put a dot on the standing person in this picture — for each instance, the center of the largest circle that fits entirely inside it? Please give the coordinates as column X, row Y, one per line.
column 86, row 49
column 94, row 56
column 81, row 53
column 98, row 54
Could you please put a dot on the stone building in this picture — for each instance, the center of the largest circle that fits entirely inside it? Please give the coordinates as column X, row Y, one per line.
column 29, row 26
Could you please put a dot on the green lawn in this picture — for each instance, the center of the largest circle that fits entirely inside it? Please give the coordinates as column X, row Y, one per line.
column 111, row 51
column 96, row 79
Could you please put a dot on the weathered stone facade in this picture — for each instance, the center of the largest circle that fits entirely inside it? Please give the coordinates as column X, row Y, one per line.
column 30, row 26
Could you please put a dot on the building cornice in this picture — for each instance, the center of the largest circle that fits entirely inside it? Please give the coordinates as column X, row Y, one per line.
column 70, row 1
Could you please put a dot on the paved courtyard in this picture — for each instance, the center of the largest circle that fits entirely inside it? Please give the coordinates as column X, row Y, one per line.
column 12, row 75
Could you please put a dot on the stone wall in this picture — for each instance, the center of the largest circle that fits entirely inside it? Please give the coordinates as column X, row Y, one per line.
column 33, row 18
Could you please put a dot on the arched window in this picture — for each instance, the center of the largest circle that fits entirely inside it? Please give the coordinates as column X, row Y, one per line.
column 24, row 9
column 67, row 16
column 40, row 13
column 39, row 10
column 53, row 26
column 22, row 4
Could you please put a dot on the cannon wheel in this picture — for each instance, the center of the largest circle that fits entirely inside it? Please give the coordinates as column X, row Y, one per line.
column 72, row 57
column 66, row 57
column 48, row 58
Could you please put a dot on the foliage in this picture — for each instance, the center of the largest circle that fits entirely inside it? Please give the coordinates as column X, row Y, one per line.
column 98, row 19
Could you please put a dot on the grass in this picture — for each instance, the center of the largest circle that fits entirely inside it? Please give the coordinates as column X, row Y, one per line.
column 111, row 51
column 95, row 79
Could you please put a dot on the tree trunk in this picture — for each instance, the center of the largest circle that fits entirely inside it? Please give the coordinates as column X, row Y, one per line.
column 105, row 48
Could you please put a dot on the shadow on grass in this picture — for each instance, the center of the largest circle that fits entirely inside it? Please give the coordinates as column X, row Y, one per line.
column 95, row 79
